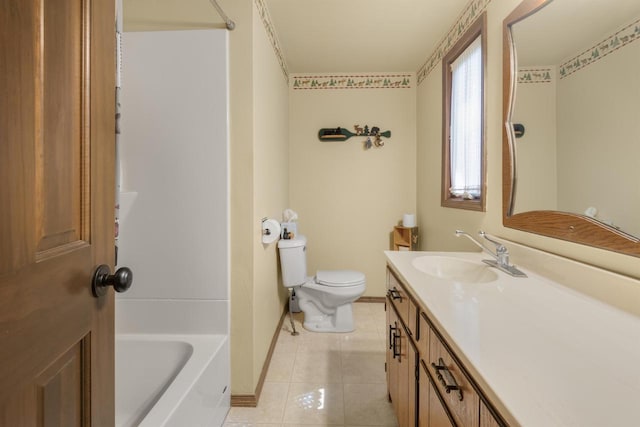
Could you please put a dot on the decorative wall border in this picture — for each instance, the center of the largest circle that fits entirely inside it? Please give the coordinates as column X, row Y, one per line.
column 619, row 39
column 349, row 81
column 468, row 16
column 271, row 34
column 535, row 75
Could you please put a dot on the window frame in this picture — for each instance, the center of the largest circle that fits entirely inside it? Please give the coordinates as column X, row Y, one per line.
column 477, row 29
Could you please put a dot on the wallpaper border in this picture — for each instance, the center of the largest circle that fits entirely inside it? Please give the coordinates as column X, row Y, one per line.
column 614, row 42
column 272, row 35
column 535, row 75
column 353, row 81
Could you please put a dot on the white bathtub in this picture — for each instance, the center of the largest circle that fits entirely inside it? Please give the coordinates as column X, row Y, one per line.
column 171, row 380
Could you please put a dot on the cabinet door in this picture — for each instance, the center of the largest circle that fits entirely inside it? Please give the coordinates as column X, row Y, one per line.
column 438, row 416
column 398, row 372
column 392, row 364
column 405, row 375
column 423, row 396
column 412, row 391
column 431, row 412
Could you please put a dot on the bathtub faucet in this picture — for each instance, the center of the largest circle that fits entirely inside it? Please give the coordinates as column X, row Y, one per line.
column 501, row 254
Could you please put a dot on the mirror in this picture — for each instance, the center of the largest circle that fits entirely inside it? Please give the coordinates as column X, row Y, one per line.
column 572, row 79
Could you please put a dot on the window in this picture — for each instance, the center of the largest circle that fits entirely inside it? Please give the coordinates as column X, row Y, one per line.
column 463, row 159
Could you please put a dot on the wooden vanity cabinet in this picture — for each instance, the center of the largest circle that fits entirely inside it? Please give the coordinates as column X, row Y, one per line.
column 421, row 367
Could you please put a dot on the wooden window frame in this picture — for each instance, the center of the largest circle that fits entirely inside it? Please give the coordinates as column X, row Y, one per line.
column 478, row 28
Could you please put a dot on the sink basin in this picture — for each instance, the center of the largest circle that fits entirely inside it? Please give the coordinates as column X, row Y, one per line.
column 455, row 269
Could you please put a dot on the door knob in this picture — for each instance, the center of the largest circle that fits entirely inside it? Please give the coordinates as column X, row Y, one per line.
column 121, row 280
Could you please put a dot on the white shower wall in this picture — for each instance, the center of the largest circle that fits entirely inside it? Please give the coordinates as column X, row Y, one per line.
column 175, row 156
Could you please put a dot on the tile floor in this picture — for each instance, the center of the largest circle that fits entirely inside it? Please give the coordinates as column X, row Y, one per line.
column 318, row 379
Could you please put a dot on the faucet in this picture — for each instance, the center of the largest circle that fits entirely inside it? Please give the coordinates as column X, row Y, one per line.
column 501, row 254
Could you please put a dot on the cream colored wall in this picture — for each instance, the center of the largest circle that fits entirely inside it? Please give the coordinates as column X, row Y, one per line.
column 348, row 199
column 259, row 188
column 242, row 234
column 599, row 147
column 535, row 108
column 439, row 222
column 270, row 189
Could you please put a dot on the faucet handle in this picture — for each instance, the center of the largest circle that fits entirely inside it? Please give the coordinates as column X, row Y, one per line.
column 500, row 248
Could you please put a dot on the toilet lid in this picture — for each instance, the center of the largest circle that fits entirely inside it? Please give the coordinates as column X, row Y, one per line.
column 339, row 277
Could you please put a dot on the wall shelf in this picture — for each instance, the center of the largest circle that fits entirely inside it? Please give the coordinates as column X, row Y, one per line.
column 342, row 134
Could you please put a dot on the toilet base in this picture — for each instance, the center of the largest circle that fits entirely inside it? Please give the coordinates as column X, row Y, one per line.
column 340, row 321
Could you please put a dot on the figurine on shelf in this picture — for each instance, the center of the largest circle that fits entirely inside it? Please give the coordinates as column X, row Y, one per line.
column 358, row 129
column 366, row 130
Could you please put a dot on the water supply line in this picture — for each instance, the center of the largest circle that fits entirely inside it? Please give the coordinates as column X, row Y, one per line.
column 228, row 22
column 293, row 326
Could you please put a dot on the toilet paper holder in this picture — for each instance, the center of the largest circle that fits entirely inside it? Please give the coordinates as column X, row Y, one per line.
column 270, row 230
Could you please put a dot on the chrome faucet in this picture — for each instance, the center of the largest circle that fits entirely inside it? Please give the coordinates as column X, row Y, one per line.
column 501, row 254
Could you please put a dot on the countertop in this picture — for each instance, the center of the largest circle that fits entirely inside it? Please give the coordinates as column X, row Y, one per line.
column 551, row 355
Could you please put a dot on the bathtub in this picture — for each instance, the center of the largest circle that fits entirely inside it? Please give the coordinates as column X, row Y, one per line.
column 171, row 380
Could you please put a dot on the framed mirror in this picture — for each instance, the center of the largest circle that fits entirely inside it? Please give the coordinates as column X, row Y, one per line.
column 571, row 74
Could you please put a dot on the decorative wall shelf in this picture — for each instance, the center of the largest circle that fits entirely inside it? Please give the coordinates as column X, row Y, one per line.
column 342, row 134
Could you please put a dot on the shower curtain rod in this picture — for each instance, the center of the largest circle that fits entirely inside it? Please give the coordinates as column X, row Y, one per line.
column 229, row 23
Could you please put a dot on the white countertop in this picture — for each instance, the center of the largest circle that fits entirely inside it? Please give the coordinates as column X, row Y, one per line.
column 553, row 356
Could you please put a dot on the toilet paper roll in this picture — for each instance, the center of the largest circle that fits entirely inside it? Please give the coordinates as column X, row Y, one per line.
column 408, row 220
column 270, row 231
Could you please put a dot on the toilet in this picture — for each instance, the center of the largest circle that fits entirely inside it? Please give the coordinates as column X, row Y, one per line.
column 325, row 299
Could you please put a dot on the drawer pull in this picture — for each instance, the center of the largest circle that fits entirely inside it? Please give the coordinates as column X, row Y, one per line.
column 394, row 341
column 446, row 379
column 391, row 335
column 394, row 294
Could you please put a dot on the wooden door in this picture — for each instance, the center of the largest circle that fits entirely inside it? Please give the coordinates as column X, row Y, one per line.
column 57, row 72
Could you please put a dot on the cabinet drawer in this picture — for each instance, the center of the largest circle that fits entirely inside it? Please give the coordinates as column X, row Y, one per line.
column 399, row 297
column 463, row 403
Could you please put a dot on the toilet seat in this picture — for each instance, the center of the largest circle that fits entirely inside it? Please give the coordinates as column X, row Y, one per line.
column 339, row 278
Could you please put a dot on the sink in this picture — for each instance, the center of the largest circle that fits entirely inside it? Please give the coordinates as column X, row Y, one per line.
column 455, row 269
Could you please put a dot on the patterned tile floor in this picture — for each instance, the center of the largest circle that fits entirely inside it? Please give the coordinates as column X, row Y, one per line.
column 319, row 379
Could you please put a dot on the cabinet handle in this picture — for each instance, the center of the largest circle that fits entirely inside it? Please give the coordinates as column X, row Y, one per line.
column 391, row 335
column 446, row 379
column 394, row 294
column 396, row 353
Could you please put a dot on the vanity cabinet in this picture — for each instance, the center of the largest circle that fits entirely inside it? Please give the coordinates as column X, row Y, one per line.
column 427, row 385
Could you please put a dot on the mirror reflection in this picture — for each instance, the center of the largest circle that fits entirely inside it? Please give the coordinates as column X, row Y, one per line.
column 578, row 97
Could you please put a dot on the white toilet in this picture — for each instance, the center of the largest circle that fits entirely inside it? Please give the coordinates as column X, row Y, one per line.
column 326, row 299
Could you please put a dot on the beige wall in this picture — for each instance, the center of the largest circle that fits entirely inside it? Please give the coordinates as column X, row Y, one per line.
column 348, row 198
column 439, row 222
column 270, row 193
column 259, row 188
column 535, row 108
column 598, row 142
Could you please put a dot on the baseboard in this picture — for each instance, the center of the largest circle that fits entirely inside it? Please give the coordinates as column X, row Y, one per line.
column 244, row 400
column 370, row 299
column 251, row 400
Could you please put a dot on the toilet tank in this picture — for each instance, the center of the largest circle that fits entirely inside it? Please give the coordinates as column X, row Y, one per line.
column 293, row 261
